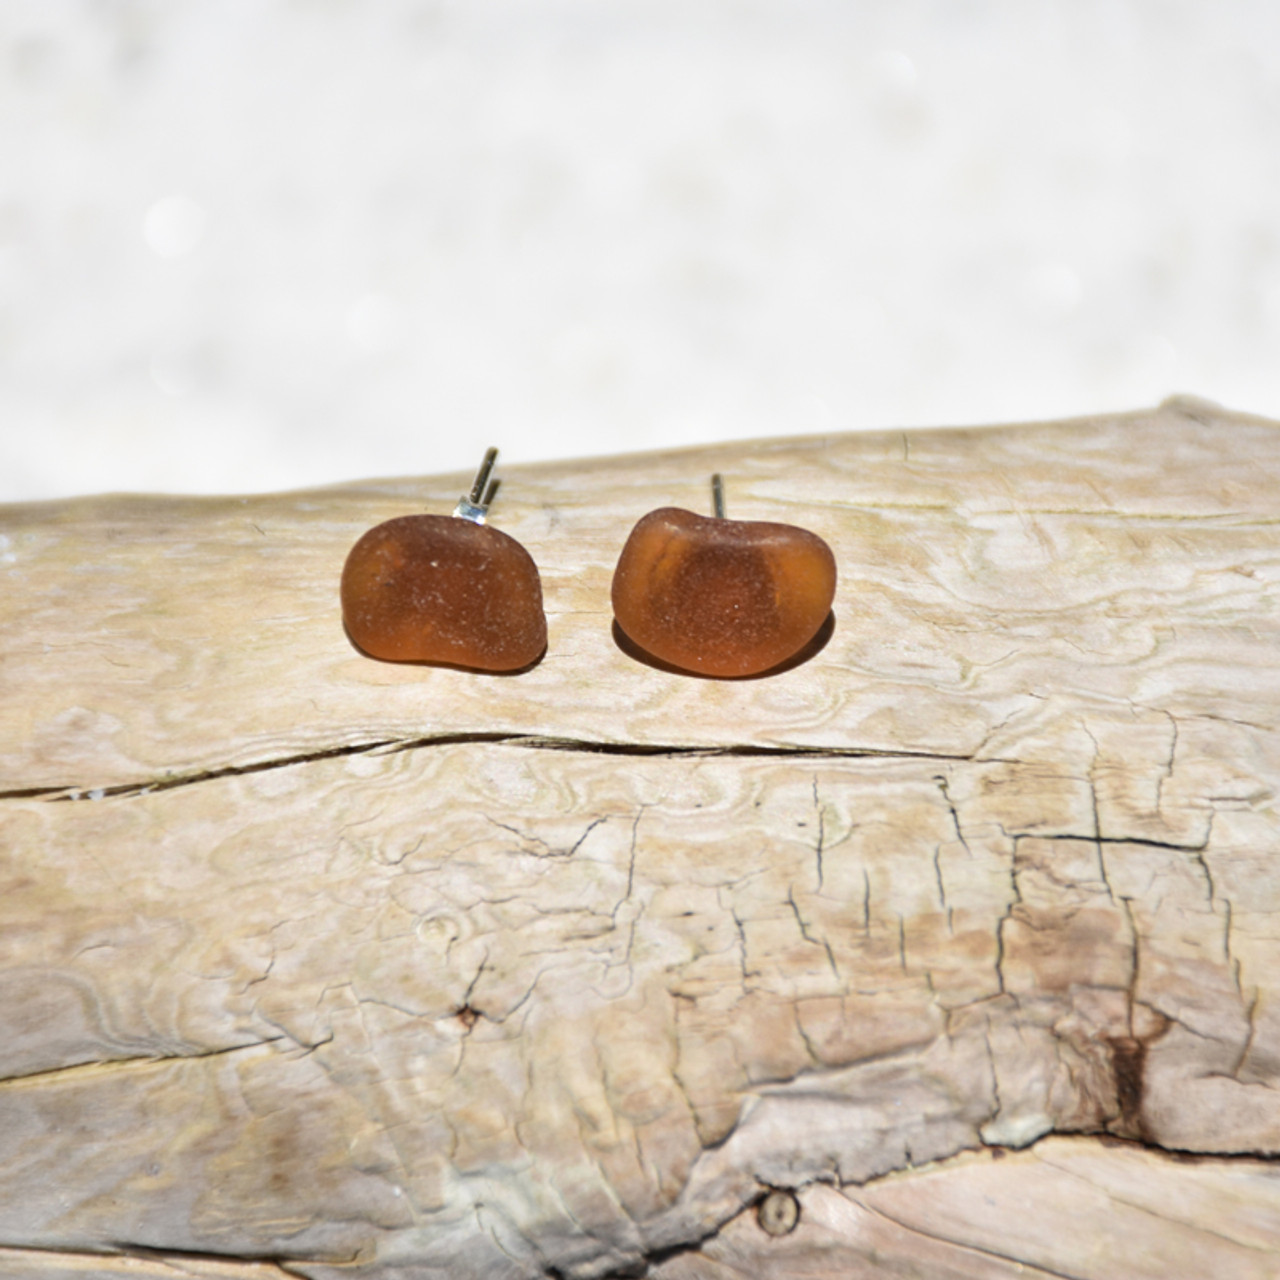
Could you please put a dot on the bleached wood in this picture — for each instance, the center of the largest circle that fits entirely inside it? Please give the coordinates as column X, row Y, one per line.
column 316, row 965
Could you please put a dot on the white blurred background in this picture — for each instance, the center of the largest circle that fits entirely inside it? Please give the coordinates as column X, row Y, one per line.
column 259, row 244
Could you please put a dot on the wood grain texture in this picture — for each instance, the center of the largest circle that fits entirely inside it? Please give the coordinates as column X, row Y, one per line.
column 321, row 966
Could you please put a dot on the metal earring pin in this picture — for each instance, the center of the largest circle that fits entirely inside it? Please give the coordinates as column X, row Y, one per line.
column 719, row 597
column 446, row 589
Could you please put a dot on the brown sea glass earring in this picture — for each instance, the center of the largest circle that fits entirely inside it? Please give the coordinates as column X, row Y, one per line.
column 448, row 589
column 719, row 597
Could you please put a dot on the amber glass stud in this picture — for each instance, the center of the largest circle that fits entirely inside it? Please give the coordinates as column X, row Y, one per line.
column 719, row 597
column 448, row 589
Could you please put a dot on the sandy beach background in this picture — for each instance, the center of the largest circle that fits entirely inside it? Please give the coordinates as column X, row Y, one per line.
column 261, row 244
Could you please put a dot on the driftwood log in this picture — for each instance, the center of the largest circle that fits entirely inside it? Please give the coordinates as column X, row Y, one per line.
column 961, row 937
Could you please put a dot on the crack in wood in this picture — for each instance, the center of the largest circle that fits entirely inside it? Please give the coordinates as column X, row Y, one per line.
column 519, row 741
column 265, row 1266
column 282, row 1265
column 98, row 1065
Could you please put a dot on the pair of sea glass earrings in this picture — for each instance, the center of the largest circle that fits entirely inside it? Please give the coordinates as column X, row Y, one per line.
column 708, row 596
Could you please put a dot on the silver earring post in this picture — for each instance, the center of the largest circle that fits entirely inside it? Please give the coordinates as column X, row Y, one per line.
column 475, row 505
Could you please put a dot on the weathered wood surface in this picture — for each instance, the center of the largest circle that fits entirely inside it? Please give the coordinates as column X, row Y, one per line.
column 315, row 965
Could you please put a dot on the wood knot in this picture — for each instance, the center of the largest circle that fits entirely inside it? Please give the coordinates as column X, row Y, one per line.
column 778, row 1213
